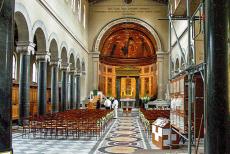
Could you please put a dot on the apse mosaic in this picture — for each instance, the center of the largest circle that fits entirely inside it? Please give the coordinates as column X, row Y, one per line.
column 128, row 43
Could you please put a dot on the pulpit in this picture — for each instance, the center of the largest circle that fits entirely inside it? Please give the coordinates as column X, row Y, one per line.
column 162, row 137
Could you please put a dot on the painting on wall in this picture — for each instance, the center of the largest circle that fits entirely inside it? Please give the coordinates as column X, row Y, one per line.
column 128, row 43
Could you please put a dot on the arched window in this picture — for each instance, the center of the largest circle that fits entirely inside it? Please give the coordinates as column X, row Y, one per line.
column 83, row 68
column 177, row 67
column 34, row 74
column 84, row 17
column 73, row 6
column 182, row 65
column 172, row 67
column 14, row 68
column 79, row 9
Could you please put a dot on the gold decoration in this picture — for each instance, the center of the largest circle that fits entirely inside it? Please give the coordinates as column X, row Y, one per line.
column 128, row 71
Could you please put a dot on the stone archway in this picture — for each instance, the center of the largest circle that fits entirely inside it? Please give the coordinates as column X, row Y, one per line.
column 54, row 70
column 127, row 20
column 42, row 59
column 158, row 50
column 24, row 48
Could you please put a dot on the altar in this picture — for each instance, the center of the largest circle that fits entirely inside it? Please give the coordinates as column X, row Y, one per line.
column 127, row 103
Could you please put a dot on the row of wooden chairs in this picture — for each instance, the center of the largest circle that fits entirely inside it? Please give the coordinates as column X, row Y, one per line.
column 69, row 124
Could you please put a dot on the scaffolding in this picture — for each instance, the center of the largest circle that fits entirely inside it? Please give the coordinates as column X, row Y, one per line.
column 190, row 67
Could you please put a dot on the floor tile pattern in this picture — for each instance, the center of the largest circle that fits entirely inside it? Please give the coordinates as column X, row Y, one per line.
column 41, row 146
column 124, row 137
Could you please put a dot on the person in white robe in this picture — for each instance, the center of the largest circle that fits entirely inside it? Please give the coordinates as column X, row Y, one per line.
column 115, row 107
column 107, row 104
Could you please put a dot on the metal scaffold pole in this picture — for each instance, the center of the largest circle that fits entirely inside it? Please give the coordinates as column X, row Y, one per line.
column 189, row 84
column 192, row 66
column 170, row 42
column 204, row 76
column 169, row 74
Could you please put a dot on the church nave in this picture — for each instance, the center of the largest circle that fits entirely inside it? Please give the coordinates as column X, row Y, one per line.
column 114, row 76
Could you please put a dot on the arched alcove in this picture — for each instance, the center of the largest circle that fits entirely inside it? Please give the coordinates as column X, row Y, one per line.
column 78, row 65
column 53, row 48
column 177, row 66
column 64, row 57
column 182, row 64
column 21, row 27
column 128, row 47
column 40, row 41
column 72, row 61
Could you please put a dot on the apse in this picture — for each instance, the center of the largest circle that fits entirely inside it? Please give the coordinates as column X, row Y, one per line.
column 128, row 44
column 127, row 66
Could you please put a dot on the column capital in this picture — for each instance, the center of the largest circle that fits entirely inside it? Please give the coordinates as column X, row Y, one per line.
column 161, row 54
column 25, row 47
column 43, row 56
column 56, row 62
column 95, row 54
column 72, row 71
column 65, row 66
column 77, row 74
column 83, row 73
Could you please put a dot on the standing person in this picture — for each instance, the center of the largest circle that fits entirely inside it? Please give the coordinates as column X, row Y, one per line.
column 98, row 104
column 115, row 107
column 107, row 104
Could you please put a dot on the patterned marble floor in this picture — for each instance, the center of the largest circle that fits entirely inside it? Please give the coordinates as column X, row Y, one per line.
column 124, row 137
column 32, row 145
column 41, row 146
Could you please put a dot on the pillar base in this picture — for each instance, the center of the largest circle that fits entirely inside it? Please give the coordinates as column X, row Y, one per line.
column 7, row 151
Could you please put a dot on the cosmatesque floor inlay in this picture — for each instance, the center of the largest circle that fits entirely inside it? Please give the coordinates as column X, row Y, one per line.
column 124, row 137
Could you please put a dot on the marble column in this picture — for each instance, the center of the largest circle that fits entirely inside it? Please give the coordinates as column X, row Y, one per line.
column 78, row 91
column 160, row 64
column 217, row 121
column 118, row 87
column 106, row 86
column 6, row 54
column 72, row 90
column 54, row 86
column 95, row 67
column 75, row 91
column 25, row 49
column 137, row 90
column 42, row 59
column 64, row 88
